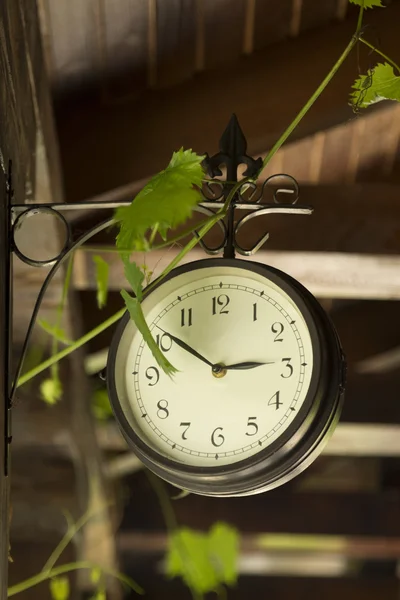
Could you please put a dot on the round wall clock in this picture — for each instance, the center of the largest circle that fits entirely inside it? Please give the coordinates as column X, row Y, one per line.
column 260, row 381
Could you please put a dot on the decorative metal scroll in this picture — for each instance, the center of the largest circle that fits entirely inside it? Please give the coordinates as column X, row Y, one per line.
column 250, row 198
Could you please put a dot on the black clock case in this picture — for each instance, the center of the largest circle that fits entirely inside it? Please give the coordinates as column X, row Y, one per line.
column 298, row 446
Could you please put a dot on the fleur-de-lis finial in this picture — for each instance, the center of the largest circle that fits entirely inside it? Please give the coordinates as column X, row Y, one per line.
column 232, row 153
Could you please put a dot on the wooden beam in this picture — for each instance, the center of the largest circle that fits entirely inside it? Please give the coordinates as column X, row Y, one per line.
column 359, row 218
column 325, row 274
column 301, row 588
column 280, row 545
column 265, row 91
column 354, row 439
column 282, row 510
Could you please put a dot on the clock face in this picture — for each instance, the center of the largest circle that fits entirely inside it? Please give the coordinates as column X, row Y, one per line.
column 256, row 337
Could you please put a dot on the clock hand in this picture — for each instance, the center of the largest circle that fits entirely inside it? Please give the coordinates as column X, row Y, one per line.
column 186, row 347
column 246, row 365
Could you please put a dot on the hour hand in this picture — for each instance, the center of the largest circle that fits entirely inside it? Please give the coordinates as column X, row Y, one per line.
column 188, row 348
column 246, row 365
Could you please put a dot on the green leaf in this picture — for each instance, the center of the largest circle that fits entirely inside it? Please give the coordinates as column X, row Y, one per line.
column 379, row 84
column 367, row 3
column 101, row 406
column 223, row 543
column 102, row 271
column 189, row 559
column 204, row 561
column 166, row 201
column 51, row 390
column 59, row 588
column 136, row 314
column 135, row 278
column 56, row 332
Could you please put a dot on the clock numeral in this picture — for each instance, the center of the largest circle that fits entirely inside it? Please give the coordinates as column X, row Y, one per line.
column 164, row 341
column 278, row 329
column 252, row 426
column 217, row 439
column 255, row 311
column 288, row 371
column 151, row 374
column 274, row 401
column 186, row 317
column 220, row 302
column 186, row 425
column 163, row 411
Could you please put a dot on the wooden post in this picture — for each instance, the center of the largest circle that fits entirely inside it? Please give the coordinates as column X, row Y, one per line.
column 5, row 341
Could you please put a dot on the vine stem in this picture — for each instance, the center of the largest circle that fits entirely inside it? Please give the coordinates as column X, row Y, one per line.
column 387, row 58
column 74, row 346
column 316, row 94
column 57, row 571
column 211, row 222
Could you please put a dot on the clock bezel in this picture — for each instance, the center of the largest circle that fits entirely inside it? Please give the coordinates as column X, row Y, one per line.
column 291, row 451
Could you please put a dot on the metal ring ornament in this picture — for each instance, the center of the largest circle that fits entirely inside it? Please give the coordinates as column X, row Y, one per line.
column 31, row 212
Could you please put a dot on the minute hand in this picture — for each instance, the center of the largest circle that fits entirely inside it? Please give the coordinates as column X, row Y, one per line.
column 246, row 365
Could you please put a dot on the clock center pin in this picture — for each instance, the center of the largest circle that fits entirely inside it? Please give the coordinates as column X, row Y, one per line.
column 218, row 371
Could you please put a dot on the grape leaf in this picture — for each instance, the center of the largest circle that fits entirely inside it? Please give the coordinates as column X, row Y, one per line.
column 51, row 390
column 379, row 84
column 188, row 558
column 223, row 541
column 367, row 3
column 56, row 332
column 135, row 277
column 204, row 561
column 135, row 310
column 165, row 202
column 59, row 588
column 102, row 271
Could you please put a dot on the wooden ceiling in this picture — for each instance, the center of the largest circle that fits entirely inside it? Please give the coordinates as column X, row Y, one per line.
column 133, row 80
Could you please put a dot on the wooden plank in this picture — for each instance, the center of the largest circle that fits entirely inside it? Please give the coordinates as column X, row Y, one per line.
column 176, row 41
column 272, row 22
column 126, row 33
column 315, row 13
column 367, row 328
column 224, row 31
column 16, row 110
column 75, row 59
column 46, row 152
column 336, row 152
column 385, row 127
column 325, row 274
column 372, row 399
column 279, row 545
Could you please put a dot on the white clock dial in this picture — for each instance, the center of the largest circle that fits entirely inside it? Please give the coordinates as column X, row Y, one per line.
column 232, row 318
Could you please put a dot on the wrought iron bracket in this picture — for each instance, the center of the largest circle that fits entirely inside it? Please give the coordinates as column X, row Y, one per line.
column 248, row 201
